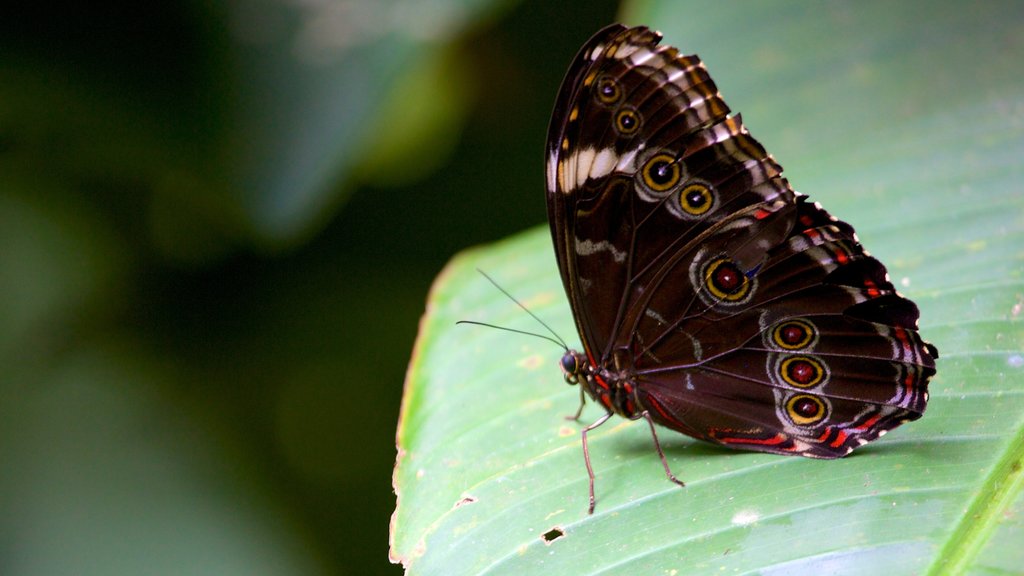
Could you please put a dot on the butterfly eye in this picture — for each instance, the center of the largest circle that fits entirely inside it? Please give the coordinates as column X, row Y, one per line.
column 806, row 410
column 570, row 367
column 608, row 91
column 726, row 281
column 661, row 173
column 794, row 335
column 696, row 199
column 627, row 122
column 802, row 371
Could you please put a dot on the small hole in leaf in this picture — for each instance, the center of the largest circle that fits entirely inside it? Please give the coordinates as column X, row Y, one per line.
column 552, row 535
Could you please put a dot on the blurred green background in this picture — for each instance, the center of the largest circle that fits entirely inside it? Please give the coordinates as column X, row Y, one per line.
column 219, row 222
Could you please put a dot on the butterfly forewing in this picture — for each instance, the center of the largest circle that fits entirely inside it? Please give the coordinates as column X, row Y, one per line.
column 708, row 293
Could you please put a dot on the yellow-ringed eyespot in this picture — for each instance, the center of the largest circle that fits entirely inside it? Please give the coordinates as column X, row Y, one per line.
column 805, row 409
column 696, row 199
column 608, row 91
column 661, row 173
column 794, row 335
column 725, row 281
column 627, row 121
column 802, row 371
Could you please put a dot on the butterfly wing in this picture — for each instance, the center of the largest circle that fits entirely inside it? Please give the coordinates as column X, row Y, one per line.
column 824, row 356
column 740, row 312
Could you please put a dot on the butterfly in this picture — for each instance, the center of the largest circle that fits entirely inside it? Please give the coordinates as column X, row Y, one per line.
column 710, row 297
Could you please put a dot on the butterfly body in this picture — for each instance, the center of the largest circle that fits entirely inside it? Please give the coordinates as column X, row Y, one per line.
column 710, row 297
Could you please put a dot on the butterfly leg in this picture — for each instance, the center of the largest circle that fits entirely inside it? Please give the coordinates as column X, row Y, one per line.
column 586, row 456
column 579, row 411
column 657, row 446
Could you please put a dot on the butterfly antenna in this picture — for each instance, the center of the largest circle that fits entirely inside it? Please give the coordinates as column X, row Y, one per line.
column 557, row 339
column 544, row 336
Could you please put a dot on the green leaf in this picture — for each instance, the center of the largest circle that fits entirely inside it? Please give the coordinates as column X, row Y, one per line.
column 904, row 120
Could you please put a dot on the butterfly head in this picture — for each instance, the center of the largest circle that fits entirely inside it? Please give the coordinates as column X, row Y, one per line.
column 572, row 365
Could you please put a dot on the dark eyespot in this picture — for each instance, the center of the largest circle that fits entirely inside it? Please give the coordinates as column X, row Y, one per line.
column 726, row 281
column 806, row 410
column 696, row 199
column 794, row 334
column 627, row 122
column 661, row 172
column 802, row 371
column 608, row 91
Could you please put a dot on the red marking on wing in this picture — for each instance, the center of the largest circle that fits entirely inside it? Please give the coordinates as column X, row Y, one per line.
column 868, row 423
column 671, row 418
column 903, row 337
column 909, row 382
column 661, row 410
column 840, row 439
column 774, row 440
column 873, row 291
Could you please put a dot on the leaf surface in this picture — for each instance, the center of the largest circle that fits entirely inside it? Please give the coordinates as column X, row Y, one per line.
column 906, row 121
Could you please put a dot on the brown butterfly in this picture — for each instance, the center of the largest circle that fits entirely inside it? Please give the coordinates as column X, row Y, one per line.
column 710, row 297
